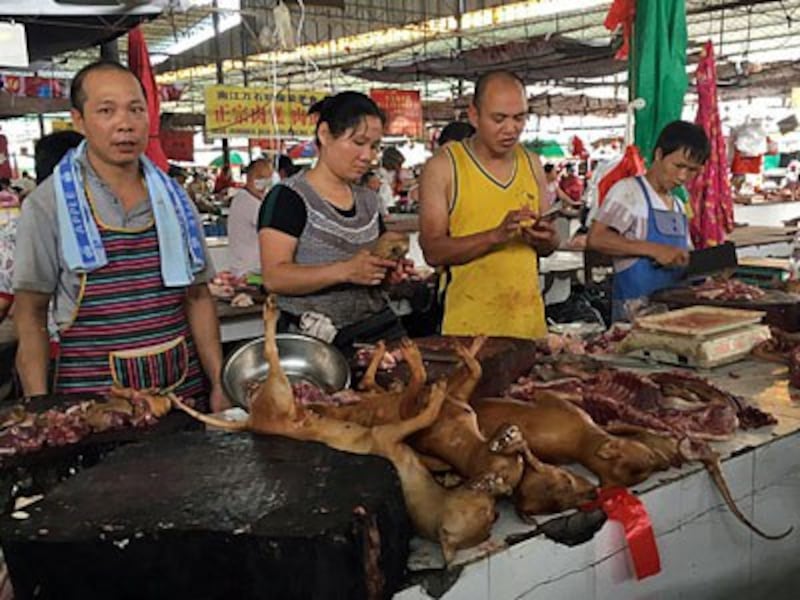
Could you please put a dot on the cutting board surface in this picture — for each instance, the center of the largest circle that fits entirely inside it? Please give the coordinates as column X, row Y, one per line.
column 699, row 321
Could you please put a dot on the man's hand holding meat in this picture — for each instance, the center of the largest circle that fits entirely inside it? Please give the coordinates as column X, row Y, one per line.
column 402, row 270
column 510, row 226
column 541, row 236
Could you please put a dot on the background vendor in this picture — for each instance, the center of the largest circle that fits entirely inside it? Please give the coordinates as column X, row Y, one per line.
column 317, row 228
column 243, row 218
column 643, row 225
column 119, row 247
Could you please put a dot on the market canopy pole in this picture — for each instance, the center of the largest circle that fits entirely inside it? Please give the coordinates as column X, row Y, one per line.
column 220, row 74
column 657, row 68
column 110, row 50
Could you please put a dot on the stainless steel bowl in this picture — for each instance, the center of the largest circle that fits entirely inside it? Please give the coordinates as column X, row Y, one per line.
column 303, row 358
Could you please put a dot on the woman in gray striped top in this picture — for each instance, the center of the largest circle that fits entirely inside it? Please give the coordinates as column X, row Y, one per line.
column 316, row 228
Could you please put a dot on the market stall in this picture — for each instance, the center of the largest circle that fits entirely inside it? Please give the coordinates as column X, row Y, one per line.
column 365, row 455
column 573, row 552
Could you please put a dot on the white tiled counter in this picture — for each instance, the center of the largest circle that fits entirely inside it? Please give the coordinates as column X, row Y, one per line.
column 706, row 553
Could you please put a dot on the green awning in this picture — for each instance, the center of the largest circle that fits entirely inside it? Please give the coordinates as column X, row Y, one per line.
column 547, row 148
column 235, row 159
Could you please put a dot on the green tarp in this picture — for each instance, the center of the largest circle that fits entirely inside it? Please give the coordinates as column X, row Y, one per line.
column 658, row 68
column 545, row 148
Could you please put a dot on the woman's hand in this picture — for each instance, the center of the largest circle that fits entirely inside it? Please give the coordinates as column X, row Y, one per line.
column 217, row 399
column 402, row 270
column 366, row 269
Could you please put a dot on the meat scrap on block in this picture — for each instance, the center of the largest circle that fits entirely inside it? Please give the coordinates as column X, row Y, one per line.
column 23, row 431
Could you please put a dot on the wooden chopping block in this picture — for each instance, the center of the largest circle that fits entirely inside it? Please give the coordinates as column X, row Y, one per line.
column 503, row 361
column 783, row 309
column 212, row 515
column 38, row 472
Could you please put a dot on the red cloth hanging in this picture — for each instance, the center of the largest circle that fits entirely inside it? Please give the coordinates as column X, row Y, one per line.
column 745, row 165
column 622, row 506
column 579, row 148
column 139, row 63
column 710, row 192
column 622, row 12
column 631, row 165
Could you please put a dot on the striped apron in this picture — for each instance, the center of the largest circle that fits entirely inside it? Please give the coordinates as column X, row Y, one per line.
column 129, row 329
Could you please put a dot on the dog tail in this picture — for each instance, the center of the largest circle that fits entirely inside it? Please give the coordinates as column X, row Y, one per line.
column 712, row 465
column 207, row 419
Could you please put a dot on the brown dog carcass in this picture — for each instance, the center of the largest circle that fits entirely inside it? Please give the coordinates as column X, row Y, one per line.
column 546, row 489
column 454, row 437
column 456, row 440
column 559, row 432
column 457, row 518
column 674, row 452
column 621, row 454
column 374, row 405
column 672, row 414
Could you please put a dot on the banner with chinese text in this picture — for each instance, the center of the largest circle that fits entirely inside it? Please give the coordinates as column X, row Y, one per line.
column 247, row 111
column 61, row 125
column 403, row 109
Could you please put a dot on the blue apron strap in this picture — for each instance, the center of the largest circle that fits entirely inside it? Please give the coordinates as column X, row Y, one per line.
column 675, row 201
column 650, row 213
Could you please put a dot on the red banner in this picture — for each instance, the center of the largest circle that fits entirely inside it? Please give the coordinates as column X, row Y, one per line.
column 403, row 110
column 35, row 87
column 13, row 84
column 178, row 144
column 5, row 163
column 171, row 92
column 270, row 144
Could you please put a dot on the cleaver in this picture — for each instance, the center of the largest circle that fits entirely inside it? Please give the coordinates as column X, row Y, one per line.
column 711, row 260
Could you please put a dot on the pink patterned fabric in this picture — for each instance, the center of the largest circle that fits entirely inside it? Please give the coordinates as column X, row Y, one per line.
column 710, row 191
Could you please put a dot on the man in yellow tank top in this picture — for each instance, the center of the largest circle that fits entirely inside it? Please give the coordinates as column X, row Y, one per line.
column 479, row 201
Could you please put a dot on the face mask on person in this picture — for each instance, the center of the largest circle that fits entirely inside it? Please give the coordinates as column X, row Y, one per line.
column 276, row 177
column 261, row 184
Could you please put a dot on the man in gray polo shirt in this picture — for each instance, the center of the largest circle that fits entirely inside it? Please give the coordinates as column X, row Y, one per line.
column 119, row 321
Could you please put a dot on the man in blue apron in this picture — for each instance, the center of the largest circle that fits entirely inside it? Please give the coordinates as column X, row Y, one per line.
column 643, row 226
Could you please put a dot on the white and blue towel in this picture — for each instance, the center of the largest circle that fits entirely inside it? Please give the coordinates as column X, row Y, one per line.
column 179, row 238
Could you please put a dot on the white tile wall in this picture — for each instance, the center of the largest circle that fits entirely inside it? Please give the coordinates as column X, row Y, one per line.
column 473, row 583
column 532, row 563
